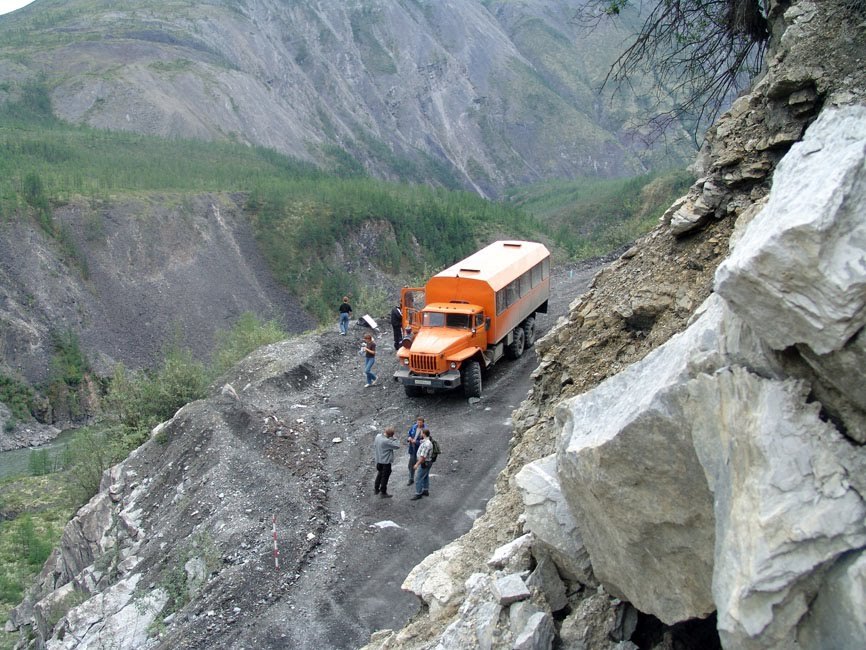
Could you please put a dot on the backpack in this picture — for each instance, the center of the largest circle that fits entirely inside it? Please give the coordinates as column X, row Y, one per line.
column 434, row 452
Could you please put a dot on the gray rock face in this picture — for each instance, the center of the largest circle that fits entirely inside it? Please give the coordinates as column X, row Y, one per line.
column 154, row 270
column 800, row 269
column 837, row 618
column 549, row 518
column 784, row 507
column 765, row 499
column 628, row 469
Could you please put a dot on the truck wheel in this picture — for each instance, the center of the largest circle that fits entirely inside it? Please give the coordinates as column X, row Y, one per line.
column 471, row 372
column 412, row 391
column 529, row 332
column 515, row 348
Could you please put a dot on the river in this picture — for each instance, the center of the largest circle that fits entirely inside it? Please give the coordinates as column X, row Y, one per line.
column 16, row 463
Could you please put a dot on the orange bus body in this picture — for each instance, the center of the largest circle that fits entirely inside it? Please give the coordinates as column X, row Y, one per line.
column 477, row 280
column 471, row 314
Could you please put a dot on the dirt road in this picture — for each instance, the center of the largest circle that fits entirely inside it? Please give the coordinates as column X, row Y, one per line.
column 352, row 585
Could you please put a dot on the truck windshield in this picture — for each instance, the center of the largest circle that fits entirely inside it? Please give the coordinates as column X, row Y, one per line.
column 436, row 319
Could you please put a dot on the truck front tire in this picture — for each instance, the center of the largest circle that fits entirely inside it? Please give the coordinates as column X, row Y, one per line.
column 471, row 372
column 515, row 348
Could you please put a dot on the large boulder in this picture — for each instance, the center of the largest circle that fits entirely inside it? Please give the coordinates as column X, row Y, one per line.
column 799, row 271
column 709, row 462
column 628, row 469
column 784, row 508
column 549, row 517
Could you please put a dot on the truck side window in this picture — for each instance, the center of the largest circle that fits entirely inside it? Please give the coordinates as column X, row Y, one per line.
column 479, row 320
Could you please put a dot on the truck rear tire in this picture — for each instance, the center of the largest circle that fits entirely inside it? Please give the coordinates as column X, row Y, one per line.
column 515, row 348
column 471, row 372
column 529, row 332
column 412, row 391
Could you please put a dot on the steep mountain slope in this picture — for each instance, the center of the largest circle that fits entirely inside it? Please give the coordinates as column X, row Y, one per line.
column 159, row 268
column 482, row 95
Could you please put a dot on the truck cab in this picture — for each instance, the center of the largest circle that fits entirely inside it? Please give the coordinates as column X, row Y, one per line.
column 470, row 315
column 447, row 336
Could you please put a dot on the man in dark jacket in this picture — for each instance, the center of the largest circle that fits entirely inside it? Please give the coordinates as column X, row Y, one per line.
column 397, row 326
column 383, row 453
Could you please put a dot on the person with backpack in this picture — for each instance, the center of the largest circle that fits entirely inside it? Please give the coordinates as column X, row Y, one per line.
column 423, row 465
column 413, row 440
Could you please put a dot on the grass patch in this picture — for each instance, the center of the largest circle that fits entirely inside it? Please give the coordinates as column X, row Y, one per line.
column 34, row 511
column 591, row 217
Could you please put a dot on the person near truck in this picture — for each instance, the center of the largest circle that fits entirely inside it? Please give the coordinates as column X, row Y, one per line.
column 369, row 350
column 414, row 439
column 422, row 466
column 383, row 453
column 345, row 311
column 397, row 326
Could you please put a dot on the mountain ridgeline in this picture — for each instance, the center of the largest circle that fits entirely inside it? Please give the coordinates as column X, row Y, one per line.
column 481, row 95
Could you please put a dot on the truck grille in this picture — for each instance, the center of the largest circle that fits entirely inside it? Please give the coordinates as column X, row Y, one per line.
column 423, row 363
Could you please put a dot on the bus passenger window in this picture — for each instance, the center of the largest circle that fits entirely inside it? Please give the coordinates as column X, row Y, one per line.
column 500, row 301
column 512, row 293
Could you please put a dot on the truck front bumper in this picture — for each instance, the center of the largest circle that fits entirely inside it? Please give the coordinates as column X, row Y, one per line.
column 447, row 380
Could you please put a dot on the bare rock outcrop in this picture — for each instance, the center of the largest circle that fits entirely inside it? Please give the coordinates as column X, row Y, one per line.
column 702, row 479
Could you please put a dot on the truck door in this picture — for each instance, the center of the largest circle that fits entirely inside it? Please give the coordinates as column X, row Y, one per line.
column 412, row 301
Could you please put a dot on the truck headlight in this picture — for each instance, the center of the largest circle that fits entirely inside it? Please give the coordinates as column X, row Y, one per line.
column 453, row 365
column 406, row 361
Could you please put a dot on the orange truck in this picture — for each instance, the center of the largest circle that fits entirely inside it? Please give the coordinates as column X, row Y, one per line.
column 470, row 315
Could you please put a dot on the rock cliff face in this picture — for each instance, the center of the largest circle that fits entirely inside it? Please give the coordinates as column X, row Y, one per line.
column 157, row 268
column 711, row 480
column 481, row 95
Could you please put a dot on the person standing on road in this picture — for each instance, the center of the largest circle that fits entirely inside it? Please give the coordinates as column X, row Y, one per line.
column 345, row 310
column 397, row 326
column 370, row 358
column 413, row 440
column 422, row 466
column 383, row 453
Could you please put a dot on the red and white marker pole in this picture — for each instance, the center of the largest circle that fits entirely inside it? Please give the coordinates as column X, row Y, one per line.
column 276, row 550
